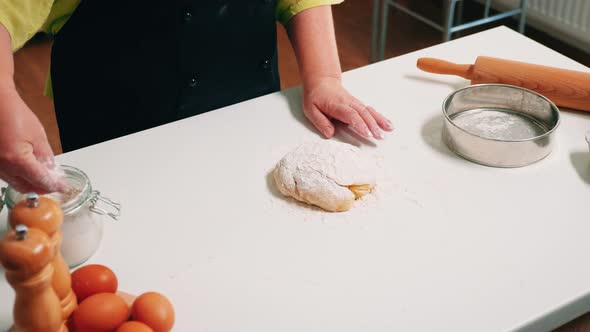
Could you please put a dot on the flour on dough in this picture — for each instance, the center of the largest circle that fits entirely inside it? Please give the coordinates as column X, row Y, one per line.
column 327, row 174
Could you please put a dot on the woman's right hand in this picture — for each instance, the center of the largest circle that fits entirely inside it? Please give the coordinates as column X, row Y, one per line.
column 26, row 158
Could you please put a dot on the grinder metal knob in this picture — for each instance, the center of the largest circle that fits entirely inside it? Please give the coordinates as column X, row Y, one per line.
column 21, row 232
column 32, row 200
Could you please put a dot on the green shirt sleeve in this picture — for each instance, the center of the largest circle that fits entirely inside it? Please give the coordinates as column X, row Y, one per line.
column 23, row 18
column 286, row 9
column 59, row 15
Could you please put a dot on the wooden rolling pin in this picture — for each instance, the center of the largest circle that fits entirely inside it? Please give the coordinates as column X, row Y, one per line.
column 566, row 88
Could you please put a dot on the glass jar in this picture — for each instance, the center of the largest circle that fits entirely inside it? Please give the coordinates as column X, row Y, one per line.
column 83, row 218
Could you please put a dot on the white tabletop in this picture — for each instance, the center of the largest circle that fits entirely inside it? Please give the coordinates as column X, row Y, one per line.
column 443, row 245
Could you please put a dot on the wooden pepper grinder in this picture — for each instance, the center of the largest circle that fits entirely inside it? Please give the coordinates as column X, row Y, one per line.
column 26, row 254
column 45, row 214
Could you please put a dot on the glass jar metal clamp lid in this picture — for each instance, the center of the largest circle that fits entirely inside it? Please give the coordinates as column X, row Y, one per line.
column 80, row 193
column 83, row 209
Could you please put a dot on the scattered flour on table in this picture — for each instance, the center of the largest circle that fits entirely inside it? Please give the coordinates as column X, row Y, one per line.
column 387, row 191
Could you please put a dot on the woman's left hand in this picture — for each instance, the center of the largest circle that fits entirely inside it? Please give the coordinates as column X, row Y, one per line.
column 326, row 99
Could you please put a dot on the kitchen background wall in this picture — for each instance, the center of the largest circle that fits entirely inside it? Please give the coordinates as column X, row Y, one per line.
column 567, row 20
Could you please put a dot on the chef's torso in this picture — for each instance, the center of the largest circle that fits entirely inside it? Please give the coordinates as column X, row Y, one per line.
column 125, row 66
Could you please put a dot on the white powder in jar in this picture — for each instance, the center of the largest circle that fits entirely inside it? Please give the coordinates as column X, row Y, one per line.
column 82, row 233
column 82, row 228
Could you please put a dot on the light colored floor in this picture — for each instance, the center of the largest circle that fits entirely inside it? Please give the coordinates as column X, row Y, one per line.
column 353, row 28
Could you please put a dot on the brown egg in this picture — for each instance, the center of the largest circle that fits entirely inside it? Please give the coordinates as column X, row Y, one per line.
column 101, row 313
column 133, row 326
column 93, row 279
column 155, row 310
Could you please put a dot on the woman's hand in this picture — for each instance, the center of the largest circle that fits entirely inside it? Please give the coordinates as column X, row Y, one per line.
column 326, row 99
column 26, row 159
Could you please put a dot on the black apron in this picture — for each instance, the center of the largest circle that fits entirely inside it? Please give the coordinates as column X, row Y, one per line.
column 119, row 67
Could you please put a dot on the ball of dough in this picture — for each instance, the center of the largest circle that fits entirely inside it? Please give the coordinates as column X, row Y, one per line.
column 327, row 174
